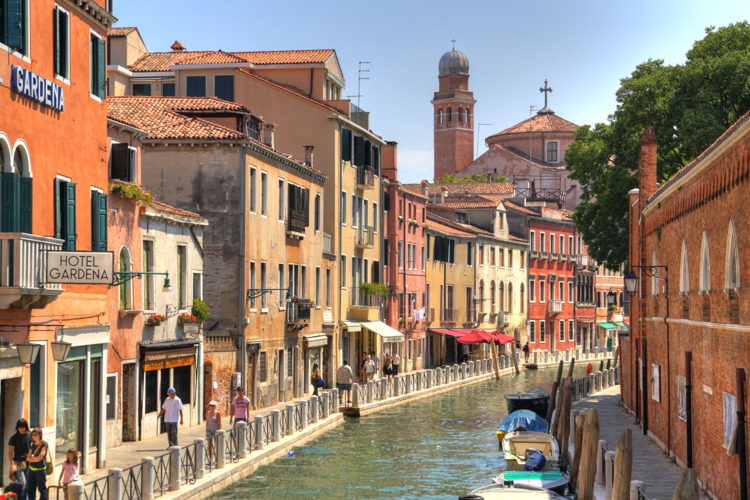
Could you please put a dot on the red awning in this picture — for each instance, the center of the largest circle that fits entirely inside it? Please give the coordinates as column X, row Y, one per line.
column 454, row 332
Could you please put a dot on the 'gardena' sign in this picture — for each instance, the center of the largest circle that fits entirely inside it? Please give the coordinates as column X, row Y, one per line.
column 35, row 87
column 92, row 268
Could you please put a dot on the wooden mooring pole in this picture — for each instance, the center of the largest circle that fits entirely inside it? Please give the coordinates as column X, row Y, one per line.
column 623, row 466
column 589, row 443
column 577, row 448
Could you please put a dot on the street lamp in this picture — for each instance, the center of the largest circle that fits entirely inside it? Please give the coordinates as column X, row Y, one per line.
column 60, row 349
column 27, row 352
column 631, row 279
column 631, row 282
column 611, row 298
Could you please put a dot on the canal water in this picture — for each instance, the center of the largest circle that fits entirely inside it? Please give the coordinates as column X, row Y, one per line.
column 435, row 448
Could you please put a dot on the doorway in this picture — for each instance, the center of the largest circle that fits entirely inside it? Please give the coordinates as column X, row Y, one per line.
column 129, row 402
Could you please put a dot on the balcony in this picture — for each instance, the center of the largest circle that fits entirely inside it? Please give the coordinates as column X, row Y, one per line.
column 582, row 261
column 296, row 225
column 23, row 266
column 365, row 237
column 364, row 307
column 429, row 315
column 555, row 306
column 365, row 178
column 327, row 243
column 503, row 319
column 298, row 313
column 554, row 256
column 470, row 318
column 533, row 254
column 449, row 316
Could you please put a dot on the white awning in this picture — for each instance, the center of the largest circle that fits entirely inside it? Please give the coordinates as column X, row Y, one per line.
column 352, row 326
column 316, row 340
column 389, row 334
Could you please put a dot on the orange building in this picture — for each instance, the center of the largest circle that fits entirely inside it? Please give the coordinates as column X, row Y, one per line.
column 53, row 157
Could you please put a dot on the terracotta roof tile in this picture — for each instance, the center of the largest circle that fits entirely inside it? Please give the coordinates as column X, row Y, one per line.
column 520, row 208
column 161, row 118
column 117, row 32
column 477, row 188
column 544, row 121
column 162, row 61
column 480, row 203
column 158, row 206
column 440, row 224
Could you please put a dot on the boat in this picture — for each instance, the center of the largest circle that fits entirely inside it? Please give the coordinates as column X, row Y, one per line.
column 536, row 400
column 531, row 366
column 515, row 445
column 510, row 491
column 554, row 480
column 521, row 420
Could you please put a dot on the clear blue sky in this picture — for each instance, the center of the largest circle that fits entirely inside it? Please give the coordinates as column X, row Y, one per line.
column 582, row 47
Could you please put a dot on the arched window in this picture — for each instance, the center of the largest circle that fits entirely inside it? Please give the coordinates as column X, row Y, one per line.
column 126, row 289
column 440, row 116
column 481, row 296
column 460, row 115
column 705, row 269
column 492, row 297
column 501, row 293
column 684, row 274
column 450, row 112
column 15, row 204
column 521, row 299
column 466, row 116
column 510, row 297
column 732, row 271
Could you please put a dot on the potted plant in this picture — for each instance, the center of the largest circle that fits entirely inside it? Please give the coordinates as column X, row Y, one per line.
column 186, row 318
column 155, row 320
column 374, row 289
column 613, row 308
column 200, row 310
column 132, row 192
column 401, row 218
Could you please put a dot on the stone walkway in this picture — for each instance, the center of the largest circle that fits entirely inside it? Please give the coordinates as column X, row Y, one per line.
column 660, row 475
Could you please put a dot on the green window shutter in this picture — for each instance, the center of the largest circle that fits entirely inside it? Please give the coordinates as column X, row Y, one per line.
column 346, row 145
column 57, row 44
column 99, row 221
column 94, row 58
column 58, row 209
column 69, row 216
column 101, row 68
column 27, row 198
column 61, row 43
column 10, row 197
column 15, row 25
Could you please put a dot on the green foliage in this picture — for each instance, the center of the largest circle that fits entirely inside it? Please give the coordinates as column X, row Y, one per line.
column 453, row 179
column 375, row 289
column 132, row 192
column 689, row 106
column 200, row 310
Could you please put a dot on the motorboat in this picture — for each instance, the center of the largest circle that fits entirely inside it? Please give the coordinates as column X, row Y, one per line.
column 510, row 491
column 554, row 480
column 516, row 444
column 520, row 420
column 536, row 400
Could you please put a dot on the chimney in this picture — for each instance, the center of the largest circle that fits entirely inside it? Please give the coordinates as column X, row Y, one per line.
column 309, row 155
column 424, row 187
column 267, row 137
column 443, row 192
column 177, row 47
column 389, row 161
column 647, row 165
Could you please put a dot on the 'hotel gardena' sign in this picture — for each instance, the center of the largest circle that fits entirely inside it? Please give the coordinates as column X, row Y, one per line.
column 35, row 87
column 92, row 268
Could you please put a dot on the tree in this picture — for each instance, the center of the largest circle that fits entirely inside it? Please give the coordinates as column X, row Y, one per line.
column 454, row 179
column 689, row 106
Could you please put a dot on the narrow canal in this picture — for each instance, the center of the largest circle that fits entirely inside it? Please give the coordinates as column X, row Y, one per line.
column 435, row 448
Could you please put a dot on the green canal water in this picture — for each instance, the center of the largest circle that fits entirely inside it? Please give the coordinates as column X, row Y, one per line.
column 435, row 448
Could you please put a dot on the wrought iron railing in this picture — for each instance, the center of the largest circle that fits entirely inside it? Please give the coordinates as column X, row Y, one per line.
column 131, row 481
column 162, row 473
column 267, row 429
column 188, row 464
column 298, row 423
column 231, row 445
column 98, row 489
column 210, row 454
column 283, row 423
column 252, row 437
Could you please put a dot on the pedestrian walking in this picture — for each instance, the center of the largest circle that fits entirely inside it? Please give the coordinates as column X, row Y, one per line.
column 171, row 410
column 344, row 381
column 238, row 409
column 369, row 368
column 387, row 366
column 37, row 465
column 69, row 472
column 315, row 379
column 526, row 352
column 589, row 369
column 396, row 363
column 376, row 361
column 213, row 424
column 19, row 445
column 362, row 372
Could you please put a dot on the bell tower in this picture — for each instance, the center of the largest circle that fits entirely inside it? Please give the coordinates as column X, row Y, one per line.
column 453, row 119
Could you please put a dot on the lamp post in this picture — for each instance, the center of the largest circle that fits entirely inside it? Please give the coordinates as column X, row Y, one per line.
column 27, row 352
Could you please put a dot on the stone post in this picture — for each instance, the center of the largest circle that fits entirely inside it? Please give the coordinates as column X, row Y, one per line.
column 241, row 439
column 114, row 483
column 428, row 379
column 420, row 380
column 395, row 385
column 313, row 409
column 75, row 491
column 200, row 457
column 326, row 405
column 383, row 389
column 599, row 385
column 260, row 442
column 290, row 419
column 275, row 425
column 602, row 445
column 355, row 395
column 147, row 479
column 174, row 468
column 609, row 460
column 634, row 485
column 408, row 382
column 335, row 404
column 592, row 382
column 370, row 390
column 221, row 443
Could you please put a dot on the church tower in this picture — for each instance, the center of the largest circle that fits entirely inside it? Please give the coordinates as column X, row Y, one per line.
column 454, row 115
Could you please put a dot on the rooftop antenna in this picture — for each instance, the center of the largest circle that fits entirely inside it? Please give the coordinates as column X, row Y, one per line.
column 532, row 109
column 360, row 71
column 479, row 127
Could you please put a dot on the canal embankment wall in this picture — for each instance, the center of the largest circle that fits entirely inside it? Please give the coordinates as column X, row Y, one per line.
column 192, row 472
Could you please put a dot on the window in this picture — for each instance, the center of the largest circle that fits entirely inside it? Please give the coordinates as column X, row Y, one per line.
column 282, row 212
column 126, row 289
column 264, row 297
column 562, row 330
column 532, row 241
column 61, row 23
column 542, row 324
column 111, row 399
column 469, row 253
column 224, row 87
column 571, row 249
column 523, row 259
column 13, row 25
column 342, row 272
column 290, row 362
column 561, row 289
column 705, row 269
column 428, row 247
column 142, row 89
column 469, row 304
column 148, row 279
column 316, row 209
column 181, row 275
column 570, row 290
column 65, row 213
column 571, row 333
column 424, row 252
column 440, row 116
column 303, row 283
column 252, row 285
column 492, row 256
column 521, row 299
column 532, row 331
column 355, row 210
column 342, row 214
column 532, row 290
column 501, row 296
column 510, row 298
column 98, row 67
column 541, row 289
column 492, row 298
column 346, row 144
column 98, row 221
column 122, row 162
column 510, row 258
column 551, row 243
column 197, row 285
column 328, row 288
column 375, row 217
column 400, row 255
column 552, row 151
column 263, row 366
column 252, row 189
column 480, row 251
column 196, row 86
column 167, row 89
column 317, row 287
column 263, row 193
column 501, row 254
column 282, row 293
column 450, row 112
column 732, row 271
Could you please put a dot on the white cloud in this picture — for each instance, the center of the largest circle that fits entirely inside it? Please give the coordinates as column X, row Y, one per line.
column 415, row 165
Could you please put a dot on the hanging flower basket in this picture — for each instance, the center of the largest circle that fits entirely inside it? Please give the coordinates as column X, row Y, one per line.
column 186, row 318
column 155, row 320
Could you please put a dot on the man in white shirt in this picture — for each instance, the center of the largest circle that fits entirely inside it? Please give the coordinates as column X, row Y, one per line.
column 344, row 381
column 172, row 412
column 396, row 363
column 369, row 368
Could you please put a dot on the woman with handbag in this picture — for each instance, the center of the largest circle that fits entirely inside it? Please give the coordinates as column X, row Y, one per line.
column 316, row 379
column 38, row 466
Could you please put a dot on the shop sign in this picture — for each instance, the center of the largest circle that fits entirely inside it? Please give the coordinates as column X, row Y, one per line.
column 39, row 89
column 93, row 268
column 161, row 364
column 191, row 328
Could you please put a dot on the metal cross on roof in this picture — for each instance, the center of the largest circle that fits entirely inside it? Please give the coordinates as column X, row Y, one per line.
column 453, row 41
column 546, row 89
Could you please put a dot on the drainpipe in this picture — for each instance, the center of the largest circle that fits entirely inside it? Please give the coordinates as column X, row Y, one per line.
column 644, row 374
column 741, row 445
column 669, row 364
column 241, row 297
column 689, row 407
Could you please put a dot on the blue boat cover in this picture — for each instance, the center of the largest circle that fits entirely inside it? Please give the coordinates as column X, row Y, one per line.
column 525, row 419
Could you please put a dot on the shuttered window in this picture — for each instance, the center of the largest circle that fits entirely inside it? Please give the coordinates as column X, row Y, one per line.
column 122, row 162
column 98, row 221
column 367, row 161
column 13, row 16
column 346, row 144
column 9, row 202
column 196, row 86
column 65, row 213
column 98, row 67
column 61, row 26
column 26, row 204
column 224, row 87
column 359, row 150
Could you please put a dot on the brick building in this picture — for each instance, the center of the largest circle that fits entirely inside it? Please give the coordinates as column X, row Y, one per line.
column 695, row 227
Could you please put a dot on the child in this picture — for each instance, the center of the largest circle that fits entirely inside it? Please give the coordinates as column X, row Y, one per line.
column 69, row 472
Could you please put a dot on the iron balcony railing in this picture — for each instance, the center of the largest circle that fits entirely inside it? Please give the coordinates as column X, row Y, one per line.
column 296, row 222
column 327, row 243
column 555, row 306
column 365, row 237
column 449, row 315
column 365, row 178
column 298, row 312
